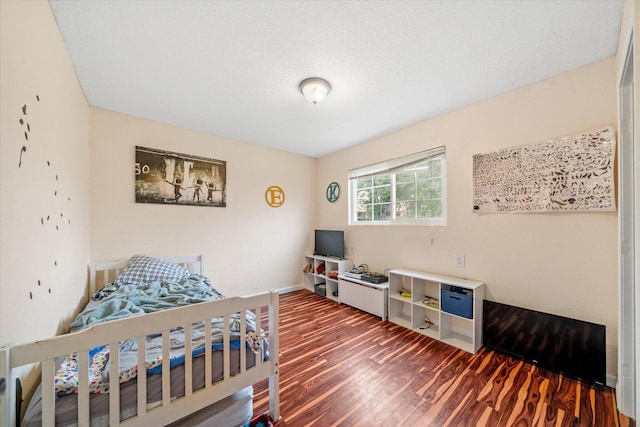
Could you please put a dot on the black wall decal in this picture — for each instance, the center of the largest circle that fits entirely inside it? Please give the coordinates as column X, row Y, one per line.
column 33, row 141
column 21, row 151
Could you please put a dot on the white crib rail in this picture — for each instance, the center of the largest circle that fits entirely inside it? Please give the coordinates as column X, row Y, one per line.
column 117, row 331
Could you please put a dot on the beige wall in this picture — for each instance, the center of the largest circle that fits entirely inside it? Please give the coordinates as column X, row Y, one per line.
column 44, row 202
column 560, row 263
column 248, row 245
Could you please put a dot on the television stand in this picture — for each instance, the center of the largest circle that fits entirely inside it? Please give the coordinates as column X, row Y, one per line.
column 325, row 270
column 325, row 276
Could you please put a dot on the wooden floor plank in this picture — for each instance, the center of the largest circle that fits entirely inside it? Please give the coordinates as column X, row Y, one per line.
column 342, row 367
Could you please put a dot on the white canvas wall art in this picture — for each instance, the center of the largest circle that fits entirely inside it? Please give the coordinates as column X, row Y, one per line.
column 573, row 173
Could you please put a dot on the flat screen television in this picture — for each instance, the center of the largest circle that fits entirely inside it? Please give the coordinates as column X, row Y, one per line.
column 572, row 347
column 330, row 243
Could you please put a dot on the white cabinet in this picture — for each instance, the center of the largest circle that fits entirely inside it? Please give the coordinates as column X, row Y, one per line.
column 369, row 297
column 324, row 271
column 445, row 308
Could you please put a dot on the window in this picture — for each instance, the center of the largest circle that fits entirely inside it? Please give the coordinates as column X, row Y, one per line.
column 406, row 190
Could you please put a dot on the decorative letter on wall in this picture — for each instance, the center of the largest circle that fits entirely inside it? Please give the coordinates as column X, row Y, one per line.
column 574, row 173
column 333, row 192
column 274, row 196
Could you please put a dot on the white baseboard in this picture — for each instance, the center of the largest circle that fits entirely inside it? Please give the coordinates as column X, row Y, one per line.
column 290, row 289
column 611, row 380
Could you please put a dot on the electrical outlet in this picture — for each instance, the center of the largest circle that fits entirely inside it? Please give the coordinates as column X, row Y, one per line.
column 352, row 249
column 460, row 261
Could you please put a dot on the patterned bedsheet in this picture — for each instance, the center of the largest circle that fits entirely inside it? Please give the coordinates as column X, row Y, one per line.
column 137, row 299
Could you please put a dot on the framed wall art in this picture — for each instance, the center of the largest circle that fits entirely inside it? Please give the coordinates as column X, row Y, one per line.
column 569, row 174
column 179, row 179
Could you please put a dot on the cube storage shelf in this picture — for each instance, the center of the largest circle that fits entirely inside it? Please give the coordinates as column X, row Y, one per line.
column 413, row 305
column 321, row 267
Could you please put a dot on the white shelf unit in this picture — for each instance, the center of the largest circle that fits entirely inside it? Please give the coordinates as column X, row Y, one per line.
column 412, row 313
column 369, row 297
column 328, row 264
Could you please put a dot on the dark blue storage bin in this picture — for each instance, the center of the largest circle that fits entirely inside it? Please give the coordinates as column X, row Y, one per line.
column 457, row 301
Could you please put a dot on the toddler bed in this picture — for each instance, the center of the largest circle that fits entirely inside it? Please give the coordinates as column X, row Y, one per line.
column 199, row 348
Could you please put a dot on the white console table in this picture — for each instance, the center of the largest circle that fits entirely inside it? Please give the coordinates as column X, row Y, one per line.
column 366, row 296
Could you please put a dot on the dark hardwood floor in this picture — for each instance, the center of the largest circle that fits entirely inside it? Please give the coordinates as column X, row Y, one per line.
column 344, row 367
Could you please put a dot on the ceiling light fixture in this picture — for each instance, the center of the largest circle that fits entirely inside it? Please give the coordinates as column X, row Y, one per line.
column 315, row 89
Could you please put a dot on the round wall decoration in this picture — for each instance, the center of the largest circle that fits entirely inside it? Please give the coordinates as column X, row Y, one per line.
column 274, row 196
column 333, row 192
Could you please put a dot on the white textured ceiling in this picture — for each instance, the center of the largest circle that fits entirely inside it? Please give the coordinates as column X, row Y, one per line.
column 232, row 68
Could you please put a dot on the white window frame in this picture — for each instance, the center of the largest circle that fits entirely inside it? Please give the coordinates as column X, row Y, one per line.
column 392, row 167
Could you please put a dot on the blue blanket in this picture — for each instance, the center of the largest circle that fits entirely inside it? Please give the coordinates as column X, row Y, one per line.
column 133, row 300
column 136, row 299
